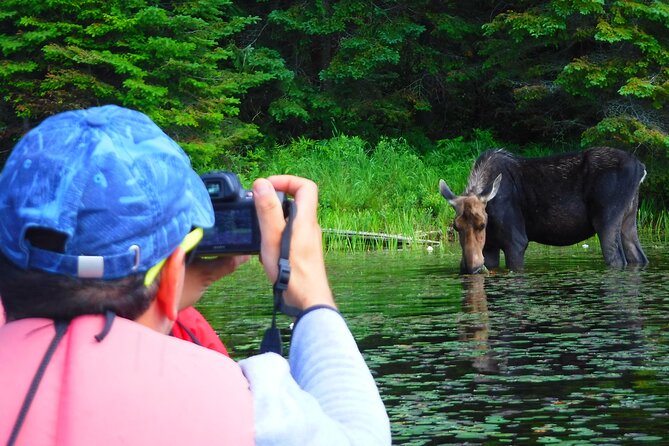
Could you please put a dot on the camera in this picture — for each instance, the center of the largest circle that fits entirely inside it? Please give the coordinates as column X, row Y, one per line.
column 236, row 229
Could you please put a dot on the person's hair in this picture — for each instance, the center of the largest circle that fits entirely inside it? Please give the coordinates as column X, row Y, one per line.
column 34, row 293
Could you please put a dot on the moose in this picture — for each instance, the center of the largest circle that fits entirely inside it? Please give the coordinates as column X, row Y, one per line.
column 557, row 200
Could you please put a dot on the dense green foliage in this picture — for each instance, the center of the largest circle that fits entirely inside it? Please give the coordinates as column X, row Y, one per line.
column 173, row 60
column 390, row 68
column 386, row 188
column 539, row 71
column 242, row 82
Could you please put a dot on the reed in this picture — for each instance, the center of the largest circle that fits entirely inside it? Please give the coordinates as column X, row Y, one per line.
column 366, row 230
column 653, row 224
column 386, row 189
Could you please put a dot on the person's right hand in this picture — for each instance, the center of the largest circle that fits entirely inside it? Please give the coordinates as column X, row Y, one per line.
column 308, row 284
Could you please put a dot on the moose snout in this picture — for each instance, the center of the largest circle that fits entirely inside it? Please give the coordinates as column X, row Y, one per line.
column 480, row 269
column 472, row 261
column 475, row 268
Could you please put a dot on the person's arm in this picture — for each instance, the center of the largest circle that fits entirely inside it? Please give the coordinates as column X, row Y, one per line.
column 326, row 394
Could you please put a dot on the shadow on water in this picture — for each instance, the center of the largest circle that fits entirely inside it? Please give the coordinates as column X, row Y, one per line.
column 568, row 352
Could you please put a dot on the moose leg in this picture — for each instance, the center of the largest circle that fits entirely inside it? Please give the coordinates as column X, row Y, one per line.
column 610, row 202
column 514, row 253
column 491, row 257
column 609, row 228
column 612, row 251
column 630, row 239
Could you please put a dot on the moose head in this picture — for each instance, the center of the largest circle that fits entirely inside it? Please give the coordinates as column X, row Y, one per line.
column 470, row 223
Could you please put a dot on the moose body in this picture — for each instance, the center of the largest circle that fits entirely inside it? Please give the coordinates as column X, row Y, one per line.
column 559, row 200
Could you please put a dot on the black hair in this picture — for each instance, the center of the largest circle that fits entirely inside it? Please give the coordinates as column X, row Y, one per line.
column 35, row 293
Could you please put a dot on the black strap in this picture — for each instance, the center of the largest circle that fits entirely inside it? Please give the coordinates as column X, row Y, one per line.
column 61, row 328
column 192, row 336
column 109, row 320
column 272, row 339
column 281, row 283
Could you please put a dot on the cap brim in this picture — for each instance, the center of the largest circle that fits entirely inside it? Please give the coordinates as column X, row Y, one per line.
column 188, row 244
column 192, row 239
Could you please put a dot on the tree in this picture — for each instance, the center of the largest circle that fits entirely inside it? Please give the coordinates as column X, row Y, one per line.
column 387, row 68
column 175, row 61
column 589, row 68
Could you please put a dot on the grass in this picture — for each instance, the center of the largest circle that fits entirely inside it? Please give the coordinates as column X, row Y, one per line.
column 388, row 188
column 653, row 224
column 375, row 231
column 383, row 189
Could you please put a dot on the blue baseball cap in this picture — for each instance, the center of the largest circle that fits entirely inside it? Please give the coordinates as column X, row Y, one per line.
column 121, row 191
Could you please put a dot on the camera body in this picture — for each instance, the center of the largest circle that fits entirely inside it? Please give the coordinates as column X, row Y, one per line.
column 236, row 229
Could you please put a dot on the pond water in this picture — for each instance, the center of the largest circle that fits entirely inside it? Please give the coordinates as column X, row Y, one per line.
column 567, row 352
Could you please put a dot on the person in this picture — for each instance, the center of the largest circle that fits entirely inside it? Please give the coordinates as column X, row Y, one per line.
column 99, row 210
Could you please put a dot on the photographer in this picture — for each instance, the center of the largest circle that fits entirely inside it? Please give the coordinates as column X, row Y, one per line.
column 99, row 210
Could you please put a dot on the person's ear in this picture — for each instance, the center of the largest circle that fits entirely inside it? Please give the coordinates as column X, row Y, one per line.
column 171, row 283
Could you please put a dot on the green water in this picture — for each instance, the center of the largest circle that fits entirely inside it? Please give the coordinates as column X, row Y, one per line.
column 568, row 352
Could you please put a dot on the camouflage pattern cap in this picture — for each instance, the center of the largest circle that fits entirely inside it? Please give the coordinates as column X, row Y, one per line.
column 112, row 182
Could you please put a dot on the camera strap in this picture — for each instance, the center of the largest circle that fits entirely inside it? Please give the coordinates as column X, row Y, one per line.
column 272, row 339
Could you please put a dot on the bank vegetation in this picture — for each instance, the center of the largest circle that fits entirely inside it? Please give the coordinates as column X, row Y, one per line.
column 374, row 100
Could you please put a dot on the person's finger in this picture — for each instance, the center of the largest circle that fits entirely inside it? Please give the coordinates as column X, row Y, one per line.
column 271, row 222
column 224, row 266
column 304, row 191
column 201, row 273
column 239, row 260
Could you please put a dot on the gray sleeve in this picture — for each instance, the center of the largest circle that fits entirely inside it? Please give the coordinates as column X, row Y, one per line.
column 325, row 396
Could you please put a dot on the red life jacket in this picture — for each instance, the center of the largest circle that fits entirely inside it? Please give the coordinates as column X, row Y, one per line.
column 135, row 386
column 192, row 326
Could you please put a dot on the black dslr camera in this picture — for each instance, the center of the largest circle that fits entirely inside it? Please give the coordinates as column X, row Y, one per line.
column 236, row 229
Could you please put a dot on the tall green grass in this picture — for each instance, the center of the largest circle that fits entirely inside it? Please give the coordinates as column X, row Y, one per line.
column 386, row 188
column 652, row 223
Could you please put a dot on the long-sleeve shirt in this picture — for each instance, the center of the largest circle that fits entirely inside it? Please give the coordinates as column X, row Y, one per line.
column 324, row 395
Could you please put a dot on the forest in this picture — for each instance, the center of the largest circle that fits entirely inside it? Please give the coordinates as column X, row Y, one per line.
column 359, row 95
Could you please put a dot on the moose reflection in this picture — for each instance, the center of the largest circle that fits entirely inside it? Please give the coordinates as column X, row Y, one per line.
column 476, row 328
column 559, row 200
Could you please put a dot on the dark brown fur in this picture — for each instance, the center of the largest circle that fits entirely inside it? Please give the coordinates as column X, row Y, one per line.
column 558, row 200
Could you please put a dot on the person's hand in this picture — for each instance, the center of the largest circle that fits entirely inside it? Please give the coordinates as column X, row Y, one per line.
column 201, row 273
column 308, row 284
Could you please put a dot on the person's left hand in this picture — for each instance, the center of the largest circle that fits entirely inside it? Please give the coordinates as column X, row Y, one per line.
column 201, row 273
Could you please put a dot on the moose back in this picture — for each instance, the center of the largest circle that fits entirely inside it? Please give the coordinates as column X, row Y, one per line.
column 558, row 200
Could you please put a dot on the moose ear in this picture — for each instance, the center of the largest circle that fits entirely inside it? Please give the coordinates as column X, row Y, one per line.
column 488, row 195
column 446, row 192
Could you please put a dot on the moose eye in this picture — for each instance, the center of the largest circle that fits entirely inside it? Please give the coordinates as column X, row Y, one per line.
column 481, row 227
